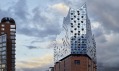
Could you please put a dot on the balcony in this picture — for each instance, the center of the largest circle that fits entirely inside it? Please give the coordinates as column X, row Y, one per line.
column 13, row 52
column 12, row 37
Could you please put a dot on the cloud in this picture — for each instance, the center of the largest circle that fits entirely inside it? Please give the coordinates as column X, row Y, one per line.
column 45, row 23
column 38, row 62
column 31, row 47
column 20, row 9
column 60, row 7
column 42, row 24
column 106, row 12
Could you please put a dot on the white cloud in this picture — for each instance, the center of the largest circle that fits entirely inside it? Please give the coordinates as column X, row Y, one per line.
column 95, row 25
column 60, row 7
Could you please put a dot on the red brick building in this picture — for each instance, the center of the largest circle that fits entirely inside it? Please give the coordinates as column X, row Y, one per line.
column 75, row 63
column 7, row 47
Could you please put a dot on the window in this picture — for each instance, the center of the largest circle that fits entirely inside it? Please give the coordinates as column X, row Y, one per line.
column 77, row 18
column 4, row 53
column 2, row 32
column 13, row 56
column 4, row 44
column 79, row 39
column 13, row 41
column 71, row 18
column 12, row 37
column 78, row 23
column 3, row 66
column 79, row 44
column 3, row 25
column 13, row 30
column 0, row 45
column 82, row 41
column 72, row 26
column 71, row 31
column 82, row 36
column 74, row 36
column 13, row 64
column 78, row 12
column 71, row 23
column 3, row 61
column 78, row 26
column 12, row 33
column 81, row 16
column 71, row 13
column 75, row 28
column 13, row 45
column 74, row 21
column 13, row 60
column 72, row 39
column 77, row 62
column 74, row 16
column 13, row 48
column 13, row 52
column 81, row 21
column 3, row 57
column 78, row 33
column 2, row 29
column 4, row 48
column 82, row 29
column 12, row 26
column 4, row 39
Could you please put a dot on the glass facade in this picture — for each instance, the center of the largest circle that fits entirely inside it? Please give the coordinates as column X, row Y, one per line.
column 3, row 52
column 76, row 36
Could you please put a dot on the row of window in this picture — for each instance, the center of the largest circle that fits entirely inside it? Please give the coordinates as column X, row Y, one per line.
column 3, row 66
column 78, row 52
column 2, row 44
column 75, row 37
column 13, row 41
column 77, row 42
column 77, row 13
column 12, row 37
column 11, row 26
column 76, row 29
column 11, row 33
column 4, row 57
column 4, row 52
column 13, row 52
column 72, row 24
column 12, row 29
column 77, row 18
column 78, row 46
column 3, row 61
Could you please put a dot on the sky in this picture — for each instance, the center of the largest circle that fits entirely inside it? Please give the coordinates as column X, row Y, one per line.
column 38, row 22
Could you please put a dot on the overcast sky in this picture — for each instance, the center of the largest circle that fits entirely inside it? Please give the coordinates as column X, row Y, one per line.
column 39, row 21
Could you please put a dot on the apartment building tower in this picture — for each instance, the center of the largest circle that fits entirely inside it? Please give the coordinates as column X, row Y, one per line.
column 75, row 48
column 7, row 44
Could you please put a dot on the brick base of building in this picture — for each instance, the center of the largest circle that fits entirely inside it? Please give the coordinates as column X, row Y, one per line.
column 75, row 63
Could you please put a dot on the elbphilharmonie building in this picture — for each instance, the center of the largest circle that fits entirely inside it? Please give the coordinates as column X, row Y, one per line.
column 75, row 45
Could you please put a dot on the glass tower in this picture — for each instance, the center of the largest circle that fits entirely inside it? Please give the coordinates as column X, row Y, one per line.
column 76, row 36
